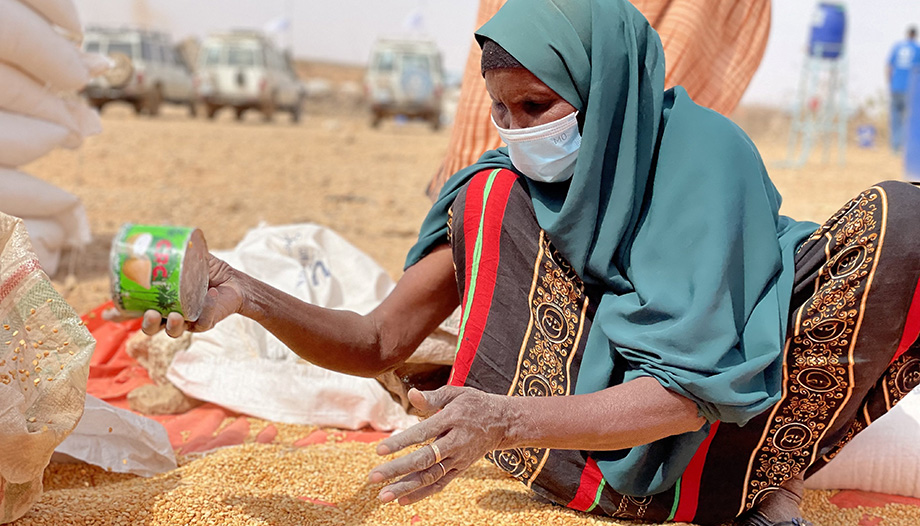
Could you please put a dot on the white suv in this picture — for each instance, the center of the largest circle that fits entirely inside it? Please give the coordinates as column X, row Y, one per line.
column 405, row 78
column 148, row 70
column 243, row 70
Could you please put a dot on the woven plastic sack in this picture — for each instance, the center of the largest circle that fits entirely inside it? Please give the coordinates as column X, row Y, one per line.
column 44, row 363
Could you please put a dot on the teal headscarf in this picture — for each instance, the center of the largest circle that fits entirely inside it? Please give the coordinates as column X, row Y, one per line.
column 670, row 212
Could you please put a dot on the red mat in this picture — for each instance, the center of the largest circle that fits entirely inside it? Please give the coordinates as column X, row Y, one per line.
column 113, row 374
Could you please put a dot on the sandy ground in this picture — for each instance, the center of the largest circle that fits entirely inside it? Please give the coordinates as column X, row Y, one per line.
column 332, row 168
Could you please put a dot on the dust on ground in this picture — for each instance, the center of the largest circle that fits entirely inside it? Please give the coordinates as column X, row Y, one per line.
column 332, row 169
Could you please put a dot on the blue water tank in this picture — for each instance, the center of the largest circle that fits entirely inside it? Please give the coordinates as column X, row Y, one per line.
column 912, row 130
column 828, row 29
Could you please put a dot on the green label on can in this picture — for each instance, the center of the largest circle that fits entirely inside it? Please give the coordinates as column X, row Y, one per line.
column 146, row 266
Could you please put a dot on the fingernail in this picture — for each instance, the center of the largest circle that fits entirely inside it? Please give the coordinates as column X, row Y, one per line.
column 376, row 477
column 386, row 496
column 383, row 450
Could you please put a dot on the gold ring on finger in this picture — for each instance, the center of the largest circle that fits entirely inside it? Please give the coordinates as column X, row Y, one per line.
column 437, row 452
column 443, row 469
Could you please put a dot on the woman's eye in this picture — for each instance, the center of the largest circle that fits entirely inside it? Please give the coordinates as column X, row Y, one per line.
column 535, row 107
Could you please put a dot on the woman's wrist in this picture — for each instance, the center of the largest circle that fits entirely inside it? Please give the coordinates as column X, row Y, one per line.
column 250, row 304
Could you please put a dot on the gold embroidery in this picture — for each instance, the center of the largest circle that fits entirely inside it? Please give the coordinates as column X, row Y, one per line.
column 818, row 373
column 558, row 306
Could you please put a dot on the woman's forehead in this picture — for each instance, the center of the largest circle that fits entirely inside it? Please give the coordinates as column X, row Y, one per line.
column 516, row 84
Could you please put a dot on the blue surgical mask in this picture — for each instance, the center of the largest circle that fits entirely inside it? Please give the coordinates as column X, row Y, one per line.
column 547, row 152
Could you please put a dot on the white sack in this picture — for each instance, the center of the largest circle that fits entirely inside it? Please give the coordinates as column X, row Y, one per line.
column 29, row 42
column 242, row 366
column 54, row 218
column 883, row 458
column 23, row 195
column 47, row 238
column 135, row 444
column 62, row 13
column 24, row 95
column 24, row 139
column 28, row 197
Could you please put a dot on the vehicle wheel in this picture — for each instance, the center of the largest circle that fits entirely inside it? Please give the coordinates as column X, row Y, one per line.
column 268, row 109
column 138, row 107
column 239, row 113
column 97, row 104
column 192, row 109
column 153, row 101
column 211, row 110
column 296, row 112
column 435, row 121
column 375, row 119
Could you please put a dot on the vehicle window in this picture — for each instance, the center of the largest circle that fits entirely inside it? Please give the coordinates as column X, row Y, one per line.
column 240, row 56
column 415, row 62
column 384, row 61
column 116, row 46
column 212, row 56
column 91, row 46
column 178, row 58
column 146, row 53
column 157, row 52
column 271, row 59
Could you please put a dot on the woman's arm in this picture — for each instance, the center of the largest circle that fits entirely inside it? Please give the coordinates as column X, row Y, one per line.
column 334, row 339
column 361, row 345
column 471, row 423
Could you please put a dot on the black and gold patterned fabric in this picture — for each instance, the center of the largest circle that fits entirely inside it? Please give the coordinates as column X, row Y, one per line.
column 850, row 353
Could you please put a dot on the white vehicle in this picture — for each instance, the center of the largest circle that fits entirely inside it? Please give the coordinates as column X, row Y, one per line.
column 405, row 78
column 243, row 70
column 148, row 70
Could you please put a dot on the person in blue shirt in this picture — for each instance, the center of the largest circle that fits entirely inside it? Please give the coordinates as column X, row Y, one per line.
column 904, row 56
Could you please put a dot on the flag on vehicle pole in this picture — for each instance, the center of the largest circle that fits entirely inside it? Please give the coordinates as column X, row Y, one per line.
column 277, row 25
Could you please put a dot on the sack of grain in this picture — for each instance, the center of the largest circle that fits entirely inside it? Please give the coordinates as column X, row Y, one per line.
column 54, row 218
column 24, row 139
column 30, row 43
column 62, row 13
column 44, row 364
column 22, row 94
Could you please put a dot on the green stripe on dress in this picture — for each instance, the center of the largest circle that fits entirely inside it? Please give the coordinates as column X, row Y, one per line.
column 676, row 500
column 597, row 497
column 477, row 255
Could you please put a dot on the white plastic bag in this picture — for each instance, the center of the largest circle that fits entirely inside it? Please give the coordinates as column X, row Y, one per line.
column 24, row 139
column 30, row 43
column 118, row 440
column 883, row 458
column 242, row 366
column 23, row 95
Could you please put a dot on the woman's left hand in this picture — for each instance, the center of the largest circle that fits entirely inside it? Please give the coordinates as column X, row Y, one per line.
column 465, row 423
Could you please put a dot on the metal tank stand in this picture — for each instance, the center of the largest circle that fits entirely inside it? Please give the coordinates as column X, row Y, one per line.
column 820, row 110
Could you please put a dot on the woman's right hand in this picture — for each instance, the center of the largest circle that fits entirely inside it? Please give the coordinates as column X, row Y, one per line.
column 224, row 297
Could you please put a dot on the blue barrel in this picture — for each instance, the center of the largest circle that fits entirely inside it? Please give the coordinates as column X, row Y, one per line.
column 828, row 29
column 912, row 129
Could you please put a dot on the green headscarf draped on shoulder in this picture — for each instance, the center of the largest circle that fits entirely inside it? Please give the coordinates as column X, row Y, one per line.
column 670, row 212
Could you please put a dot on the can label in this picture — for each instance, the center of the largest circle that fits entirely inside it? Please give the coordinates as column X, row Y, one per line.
column 146, row 267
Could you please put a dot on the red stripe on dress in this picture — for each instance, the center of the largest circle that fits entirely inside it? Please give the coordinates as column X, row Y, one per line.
column 591, row 478
column 488, row 262
column 690, row 480
column 911, row 326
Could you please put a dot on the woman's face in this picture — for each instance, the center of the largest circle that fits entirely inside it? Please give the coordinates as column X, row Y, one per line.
column 520, row 100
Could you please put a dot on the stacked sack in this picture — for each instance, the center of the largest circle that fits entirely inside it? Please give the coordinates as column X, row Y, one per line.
column 41, row 71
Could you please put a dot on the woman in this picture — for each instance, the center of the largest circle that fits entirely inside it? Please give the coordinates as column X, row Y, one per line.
column 643, row 335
